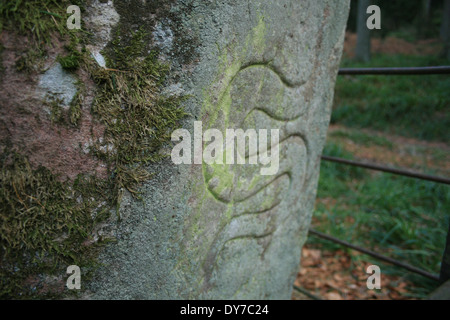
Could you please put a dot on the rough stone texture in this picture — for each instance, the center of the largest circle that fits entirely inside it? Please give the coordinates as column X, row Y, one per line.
column 225, row 232
column 101, row 18
column 57, row 84
column 201, row 231
column 441, row 293
column 25, row 111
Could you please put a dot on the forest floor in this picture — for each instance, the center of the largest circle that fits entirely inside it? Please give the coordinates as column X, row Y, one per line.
column 393, row 45
column 340, row 274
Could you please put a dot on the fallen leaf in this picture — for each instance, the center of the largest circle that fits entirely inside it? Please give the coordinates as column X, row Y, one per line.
column 333, row 296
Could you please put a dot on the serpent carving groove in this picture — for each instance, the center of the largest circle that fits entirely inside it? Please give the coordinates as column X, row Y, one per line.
column 241, row 187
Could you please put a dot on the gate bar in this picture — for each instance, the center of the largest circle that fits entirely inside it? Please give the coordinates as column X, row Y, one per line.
column 401, row 172
column 395, row 71
column 376, row 255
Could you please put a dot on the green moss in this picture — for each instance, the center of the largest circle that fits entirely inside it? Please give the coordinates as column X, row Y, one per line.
column 63, row 116
column 75, row 109
column 39, row 21
column 30, row 61
column 56, row 111
column 70, row 62
column 184, row 43
column 74, row 57
column 259, row 34
column 38, row 18
column 47, row 224
column 44, row 223
column 138, row 119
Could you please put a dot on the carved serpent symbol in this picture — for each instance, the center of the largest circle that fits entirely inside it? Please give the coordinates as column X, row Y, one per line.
column 257, row 97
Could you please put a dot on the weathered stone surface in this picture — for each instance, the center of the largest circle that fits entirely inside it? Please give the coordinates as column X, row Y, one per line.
column 73, row 140
column 225, row 231
column 441, row 293
column 55, row 83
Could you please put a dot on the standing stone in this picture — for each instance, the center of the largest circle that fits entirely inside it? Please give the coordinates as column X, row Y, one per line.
column 226, row 231
column 197, row 231
column 445, row 265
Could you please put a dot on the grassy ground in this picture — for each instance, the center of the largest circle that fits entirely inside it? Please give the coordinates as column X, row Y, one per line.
column 413, row 106
column 398, row 121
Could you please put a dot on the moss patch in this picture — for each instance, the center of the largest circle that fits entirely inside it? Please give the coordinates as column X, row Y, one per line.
column 47, row 224
column 39, row 21
column 185, row 41
column 44, row 224
column 30, row 61
column 138, row 119
column 35, row 18
column 71, row 61
column 75, row 107
column 74, row 57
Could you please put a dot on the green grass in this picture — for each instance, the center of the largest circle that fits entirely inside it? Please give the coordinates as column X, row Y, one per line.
column 400, row 217
column 413, row 106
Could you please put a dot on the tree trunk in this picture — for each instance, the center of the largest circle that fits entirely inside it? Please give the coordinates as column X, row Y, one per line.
column 424, row 18
column 362, row 52
column 445, row 29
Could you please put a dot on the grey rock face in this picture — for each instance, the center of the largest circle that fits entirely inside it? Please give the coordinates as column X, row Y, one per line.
column 226, row 231
column 58, row 84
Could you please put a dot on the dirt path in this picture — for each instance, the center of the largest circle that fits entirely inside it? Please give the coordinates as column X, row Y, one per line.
column 391, row 45
column 405, row 152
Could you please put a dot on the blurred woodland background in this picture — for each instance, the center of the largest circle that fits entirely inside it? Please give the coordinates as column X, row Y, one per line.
column 397, row 121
